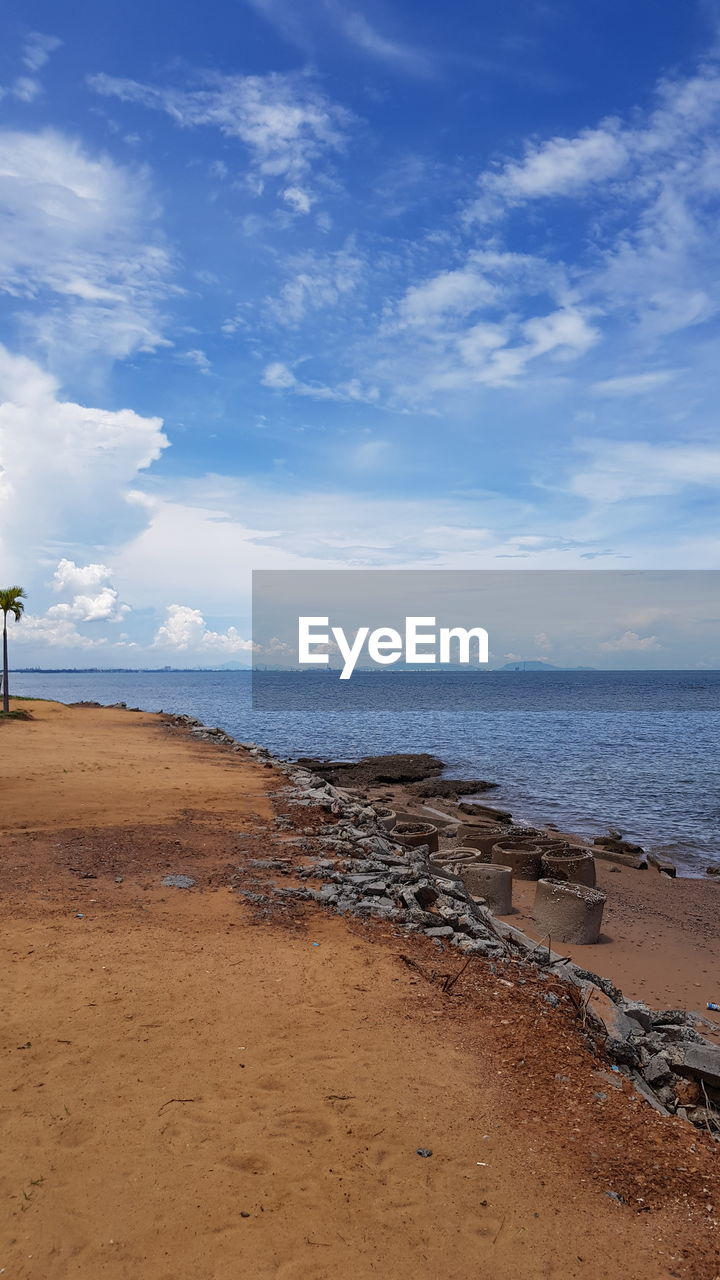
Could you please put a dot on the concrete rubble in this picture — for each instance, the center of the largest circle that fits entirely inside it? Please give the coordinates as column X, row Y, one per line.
column 363, row 873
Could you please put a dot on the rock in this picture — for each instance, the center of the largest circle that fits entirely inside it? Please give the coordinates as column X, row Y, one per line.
column 667, row 867
column 178, row 882
column 637, row 861
column 443, row 931
column 674, row 1034
column 485, row 811
column 657, row 1070
column 702, row 1061
column 671, row 1017
column 448, row 788
column 713, row 871
column 617, row 1026
column 639, row 1012
column 648, row 1094
column 615, row 844
column 371, row 770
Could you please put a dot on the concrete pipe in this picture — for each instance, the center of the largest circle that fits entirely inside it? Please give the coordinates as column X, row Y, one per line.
column 574, row 865
column 523, row 858
column 491, row 882
column 413, row 834
column 568, row 912
column 482, row 842
column 386, row 818
column 449, row 863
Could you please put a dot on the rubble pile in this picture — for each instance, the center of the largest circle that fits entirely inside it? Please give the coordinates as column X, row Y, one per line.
column 362, row 872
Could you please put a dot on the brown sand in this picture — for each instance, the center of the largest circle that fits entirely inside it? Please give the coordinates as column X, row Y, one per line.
column 188, row 1091
column 660, row 940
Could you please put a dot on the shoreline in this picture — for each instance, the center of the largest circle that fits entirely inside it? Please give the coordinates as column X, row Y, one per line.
column 659, row 942
column 223, row 1049
column 531, row 809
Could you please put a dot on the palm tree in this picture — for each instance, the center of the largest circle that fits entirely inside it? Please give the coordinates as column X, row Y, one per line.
column 11, row 601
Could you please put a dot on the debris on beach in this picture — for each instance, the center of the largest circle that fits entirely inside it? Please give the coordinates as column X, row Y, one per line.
column 178, row 882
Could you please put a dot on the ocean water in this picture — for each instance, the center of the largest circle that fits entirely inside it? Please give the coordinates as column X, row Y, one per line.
column 652, row 774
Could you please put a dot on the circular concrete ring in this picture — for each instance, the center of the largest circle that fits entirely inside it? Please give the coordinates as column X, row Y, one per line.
column 386, row 818
column 521, row 857
column 568, row 912
column 491, row 882
column 574, row 865
column 413, row 834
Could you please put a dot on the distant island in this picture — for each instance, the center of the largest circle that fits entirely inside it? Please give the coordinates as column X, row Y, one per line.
column 539, row 666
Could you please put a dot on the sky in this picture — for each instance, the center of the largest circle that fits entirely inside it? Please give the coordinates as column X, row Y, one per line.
column 302, row 284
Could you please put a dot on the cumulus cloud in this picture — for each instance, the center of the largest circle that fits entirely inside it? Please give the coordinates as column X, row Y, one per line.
column 75, row 248
column 185, row 629
column 59, row 633
column 94, row 599
column 66, row 469
column 630, row 642
column 287, row 125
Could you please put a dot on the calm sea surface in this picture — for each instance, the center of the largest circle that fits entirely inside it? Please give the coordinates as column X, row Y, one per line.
column 653, row 774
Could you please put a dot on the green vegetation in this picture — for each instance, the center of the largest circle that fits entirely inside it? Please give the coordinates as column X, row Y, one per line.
column 11, row 601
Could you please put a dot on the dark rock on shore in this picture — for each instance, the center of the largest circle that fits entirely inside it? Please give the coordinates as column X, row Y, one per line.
column 448, row 788
column 370, row 770
column 485, row 811
column 614, row 844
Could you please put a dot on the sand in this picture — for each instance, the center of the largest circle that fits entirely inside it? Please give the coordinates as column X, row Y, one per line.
column 660, row 940
column 189, row 1089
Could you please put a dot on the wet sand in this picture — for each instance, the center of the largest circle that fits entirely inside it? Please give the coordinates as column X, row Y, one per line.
column 190, row 1088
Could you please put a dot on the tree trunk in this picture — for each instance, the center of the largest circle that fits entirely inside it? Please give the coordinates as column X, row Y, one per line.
column 6, row 692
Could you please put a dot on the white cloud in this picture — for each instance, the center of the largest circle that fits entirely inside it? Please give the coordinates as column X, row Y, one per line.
column 457, row 292
column 630, row 642
column 287, row 124
column 316, row 281
column 300, row 201
column 36, row 52
column 74, row 244
column 625, row 471
column 185, row 629
column 60, row 633
column 397, row 53
column 295, row 25
column 633, row 384
column 470, row 327
column 38, row 48
column 558, row 167
column 279, row 377
column 198, row 358
column 637, row 154
column 65, row 468
column 94, row 599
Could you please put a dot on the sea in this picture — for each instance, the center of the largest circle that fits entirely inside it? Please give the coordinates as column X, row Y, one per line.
column 589, row 751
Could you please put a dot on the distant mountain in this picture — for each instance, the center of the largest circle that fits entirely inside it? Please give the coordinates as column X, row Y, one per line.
column 539, row 666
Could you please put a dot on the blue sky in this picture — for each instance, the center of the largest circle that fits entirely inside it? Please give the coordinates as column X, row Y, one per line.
column 302, row 284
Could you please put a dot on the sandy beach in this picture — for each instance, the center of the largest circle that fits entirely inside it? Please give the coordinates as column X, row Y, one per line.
column 194, row 1086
